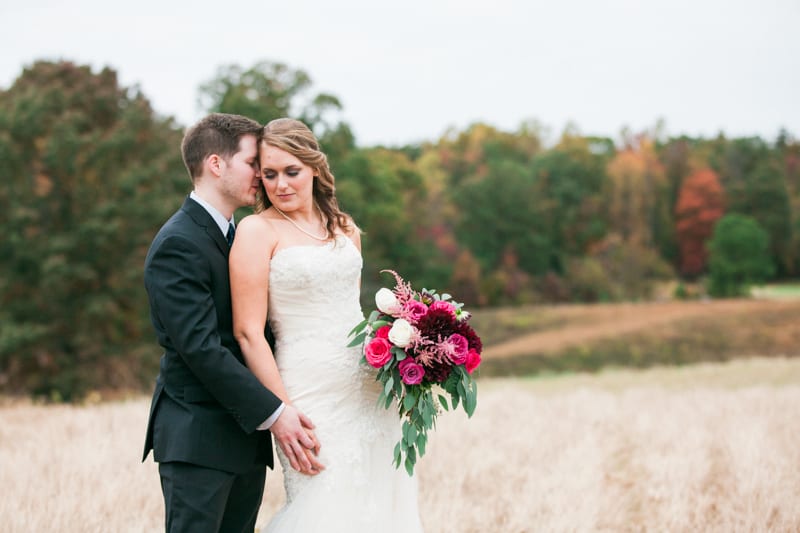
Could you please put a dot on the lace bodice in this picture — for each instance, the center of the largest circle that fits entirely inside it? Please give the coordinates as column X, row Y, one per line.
column 314, row 290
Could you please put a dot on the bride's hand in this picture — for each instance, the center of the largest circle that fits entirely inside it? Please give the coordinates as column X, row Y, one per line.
column 294, row 433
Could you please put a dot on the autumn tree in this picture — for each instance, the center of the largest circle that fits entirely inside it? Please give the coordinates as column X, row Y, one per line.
column 90, row 173
column 636, row 191
column 700, row 204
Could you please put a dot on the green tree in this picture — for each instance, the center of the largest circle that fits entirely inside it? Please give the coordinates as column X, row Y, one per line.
column 90, row 173
column 569, row 182
column 738, row 256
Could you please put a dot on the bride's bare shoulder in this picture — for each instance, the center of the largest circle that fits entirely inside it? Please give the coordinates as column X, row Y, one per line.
column 257, row 234
column 353, row 232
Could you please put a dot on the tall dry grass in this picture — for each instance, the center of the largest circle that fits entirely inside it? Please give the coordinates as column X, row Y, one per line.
column 704, row 448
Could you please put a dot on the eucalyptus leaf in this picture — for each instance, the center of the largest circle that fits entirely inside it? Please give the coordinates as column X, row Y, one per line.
column 358, row 339
column 443, row 402
column 397, row 457
column 361, row 325
column 422, row 442
column 409, row 466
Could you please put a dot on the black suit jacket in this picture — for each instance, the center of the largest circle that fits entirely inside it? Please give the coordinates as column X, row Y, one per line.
column 207, row 404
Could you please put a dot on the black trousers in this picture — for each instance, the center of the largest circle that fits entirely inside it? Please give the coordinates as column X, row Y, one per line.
column 204, row 500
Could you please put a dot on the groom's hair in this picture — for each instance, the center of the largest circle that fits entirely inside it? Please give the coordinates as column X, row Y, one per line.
column 218, row 133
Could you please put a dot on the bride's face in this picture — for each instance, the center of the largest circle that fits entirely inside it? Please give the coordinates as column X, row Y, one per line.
column 288, row 181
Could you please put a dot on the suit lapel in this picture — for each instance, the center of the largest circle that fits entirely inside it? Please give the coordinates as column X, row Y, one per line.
column 203, row 219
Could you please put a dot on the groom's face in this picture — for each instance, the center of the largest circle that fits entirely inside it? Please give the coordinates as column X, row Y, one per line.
column 240, row 173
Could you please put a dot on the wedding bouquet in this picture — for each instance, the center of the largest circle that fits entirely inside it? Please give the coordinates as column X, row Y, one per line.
column 421, row 344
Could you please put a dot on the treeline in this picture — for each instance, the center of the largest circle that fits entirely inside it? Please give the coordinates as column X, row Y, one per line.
column 494, row 217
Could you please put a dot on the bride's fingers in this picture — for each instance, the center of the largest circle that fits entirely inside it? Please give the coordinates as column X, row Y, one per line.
column 315, row 445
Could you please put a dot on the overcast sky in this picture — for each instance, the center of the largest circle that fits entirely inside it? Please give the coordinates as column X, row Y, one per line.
column 406, row 71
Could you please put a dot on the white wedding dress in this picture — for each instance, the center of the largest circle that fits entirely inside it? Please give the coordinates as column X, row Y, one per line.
column 313, row 305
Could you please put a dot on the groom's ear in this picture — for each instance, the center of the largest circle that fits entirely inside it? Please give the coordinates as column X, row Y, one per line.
column 214, row 164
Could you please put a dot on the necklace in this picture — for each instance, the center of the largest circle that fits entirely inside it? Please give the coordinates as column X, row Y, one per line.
column 296, row 225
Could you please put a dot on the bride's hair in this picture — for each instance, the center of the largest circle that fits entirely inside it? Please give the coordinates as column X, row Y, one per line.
column 296, row 138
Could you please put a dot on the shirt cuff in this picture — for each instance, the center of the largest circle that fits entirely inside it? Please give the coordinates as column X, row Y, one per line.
column 266, row 424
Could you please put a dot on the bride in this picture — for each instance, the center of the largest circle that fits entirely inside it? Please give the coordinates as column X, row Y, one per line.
column 297, row 263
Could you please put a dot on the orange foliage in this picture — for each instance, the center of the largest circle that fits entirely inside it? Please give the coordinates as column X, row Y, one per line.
column 700, row 204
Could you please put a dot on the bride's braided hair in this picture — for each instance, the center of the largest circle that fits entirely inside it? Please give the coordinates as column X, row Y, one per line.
column 296, row 138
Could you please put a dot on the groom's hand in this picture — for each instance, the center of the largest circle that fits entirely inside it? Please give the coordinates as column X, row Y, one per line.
column 293, row 433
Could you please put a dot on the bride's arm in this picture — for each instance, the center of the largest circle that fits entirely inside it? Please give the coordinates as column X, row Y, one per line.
column 249, row 276
column 249, row 273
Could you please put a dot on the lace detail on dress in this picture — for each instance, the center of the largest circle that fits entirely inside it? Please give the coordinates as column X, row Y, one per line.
column 313, row 305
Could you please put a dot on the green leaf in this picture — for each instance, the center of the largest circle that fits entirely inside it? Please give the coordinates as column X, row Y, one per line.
column 397, row 457
column 422, row 442
column 399, row 353
column 428, row 416
column 361, row 325
column 410, row 434
column 373, row 316
column 443, row 402
column 410, row 400
column 470, row 387
column 358, row 339
column 387, row 387
column 398, row 383
column 409, row 466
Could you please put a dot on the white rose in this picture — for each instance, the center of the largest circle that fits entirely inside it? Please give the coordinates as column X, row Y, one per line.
column 401, row 333
column 387, row 302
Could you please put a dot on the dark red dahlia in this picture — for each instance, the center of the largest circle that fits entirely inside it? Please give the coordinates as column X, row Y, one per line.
column 437, row 322
column 437, row 371
column 473, row 340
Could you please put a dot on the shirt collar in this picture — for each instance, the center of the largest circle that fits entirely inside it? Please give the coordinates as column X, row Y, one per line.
column 218, row 217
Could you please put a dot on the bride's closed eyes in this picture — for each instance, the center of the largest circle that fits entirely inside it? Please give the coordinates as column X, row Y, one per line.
column 270, row 174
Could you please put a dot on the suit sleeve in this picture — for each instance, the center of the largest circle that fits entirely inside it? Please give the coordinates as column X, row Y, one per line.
column 178, row 280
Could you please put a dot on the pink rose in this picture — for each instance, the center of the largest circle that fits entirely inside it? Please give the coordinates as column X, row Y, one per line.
column 415, row 310
column 458, row 347
column 378, row 352
column 383, row 332
column 440, row 305
column 410, row 371
column 473, row 360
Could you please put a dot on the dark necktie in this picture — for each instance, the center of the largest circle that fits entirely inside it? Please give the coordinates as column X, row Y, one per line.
column 231, row 233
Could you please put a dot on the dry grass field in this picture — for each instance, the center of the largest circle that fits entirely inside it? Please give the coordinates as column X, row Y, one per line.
column 710, row 447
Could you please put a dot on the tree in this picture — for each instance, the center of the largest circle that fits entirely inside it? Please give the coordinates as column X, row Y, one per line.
column 90, row 174
column 638, row 187
column 739, row 256
column 700, row 205
column 569, row 182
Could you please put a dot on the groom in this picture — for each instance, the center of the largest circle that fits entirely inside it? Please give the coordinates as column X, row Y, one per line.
column 209, row 415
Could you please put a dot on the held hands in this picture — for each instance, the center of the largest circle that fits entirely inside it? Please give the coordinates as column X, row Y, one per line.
column 294, row 433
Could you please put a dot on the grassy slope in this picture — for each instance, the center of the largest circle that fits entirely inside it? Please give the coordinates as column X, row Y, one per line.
column 579, row 338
